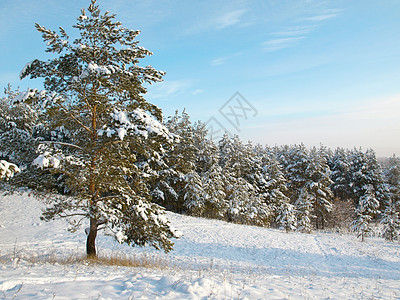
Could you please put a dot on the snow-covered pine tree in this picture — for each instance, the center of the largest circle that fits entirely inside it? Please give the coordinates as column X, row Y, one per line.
column 392, row 179
column 368, row 207
column 181, row 159
column 296, row 161
column 19, row 125
column 304, row 209
column 367, row 179
column 391, row 220
column 318, row 186
column 214, row 192
column 276, row 191
column 206, row 150
column 245, row 203
column 94, row 88
column 339, row 164
column 208, row 168
column 286, row 216
column 194, row 197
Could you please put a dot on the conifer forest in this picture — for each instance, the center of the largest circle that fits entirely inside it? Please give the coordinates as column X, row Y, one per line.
column 99, row 155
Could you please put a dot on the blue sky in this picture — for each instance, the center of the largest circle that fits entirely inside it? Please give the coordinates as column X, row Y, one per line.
column 306, row 71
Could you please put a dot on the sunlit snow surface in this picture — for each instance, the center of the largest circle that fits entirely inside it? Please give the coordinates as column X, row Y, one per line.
column 213, row 260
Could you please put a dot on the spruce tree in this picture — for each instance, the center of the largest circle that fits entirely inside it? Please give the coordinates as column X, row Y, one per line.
column 94, row 90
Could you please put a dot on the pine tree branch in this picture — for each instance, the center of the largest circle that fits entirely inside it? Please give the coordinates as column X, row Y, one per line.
column 106, row 145
column 63, row 144
column 74, row 118
column 65, row 215
column 105, row 198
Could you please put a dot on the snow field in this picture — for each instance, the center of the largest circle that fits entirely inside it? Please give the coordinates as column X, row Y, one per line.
column 213, row 260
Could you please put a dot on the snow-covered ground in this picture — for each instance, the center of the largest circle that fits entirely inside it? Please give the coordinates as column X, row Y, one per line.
column 213, row 260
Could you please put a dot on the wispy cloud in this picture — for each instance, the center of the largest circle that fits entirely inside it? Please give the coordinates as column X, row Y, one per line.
column 197, row 92
column 230, row 18
column 320, row 17
column 279, row 44
column 290, row 36
column 296, row 30
column 168, row 89
column 324, row 15
column 222, row 60
column 218, row 61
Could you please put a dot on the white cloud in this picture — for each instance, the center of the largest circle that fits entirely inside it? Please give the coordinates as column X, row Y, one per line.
column 222, row 60
column 197, row 92
column 296, row 30
column 320, row 17
column 230, row 18
column 282, row 43
column 168, row 89
column 218, row 61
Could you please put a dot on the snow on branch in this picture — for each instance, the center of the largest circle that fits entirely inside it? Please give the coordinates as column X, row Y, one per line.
column 45, row 160
column 7, row 170
column 94, row 69
column 49, row 160
column 137, row 122
column 25, row 69
column 43, row 98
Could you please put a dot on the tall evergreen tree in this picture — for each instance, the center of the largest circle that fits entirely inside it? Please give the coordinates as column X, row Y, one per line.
column 391, row 222
column 94, row 89
column 368, row 207
column 391, row 215
column 392, row 179
column 242, row 195
column 339, row 164
column 296, row 162
column 286, row 216
column 318, row 185
column 214, row 192
column 367, row 179
column 208, row 168
column 19, row 128
column 181, row 159
column 276, row 192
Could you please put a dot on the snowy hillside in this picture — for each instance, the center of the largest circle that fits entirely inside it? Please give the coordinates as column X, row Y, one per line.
column 213, row 260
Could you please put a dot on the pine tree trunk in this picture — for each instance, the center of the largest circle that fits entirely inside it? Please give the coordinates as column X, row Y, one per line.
column 91, row 239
